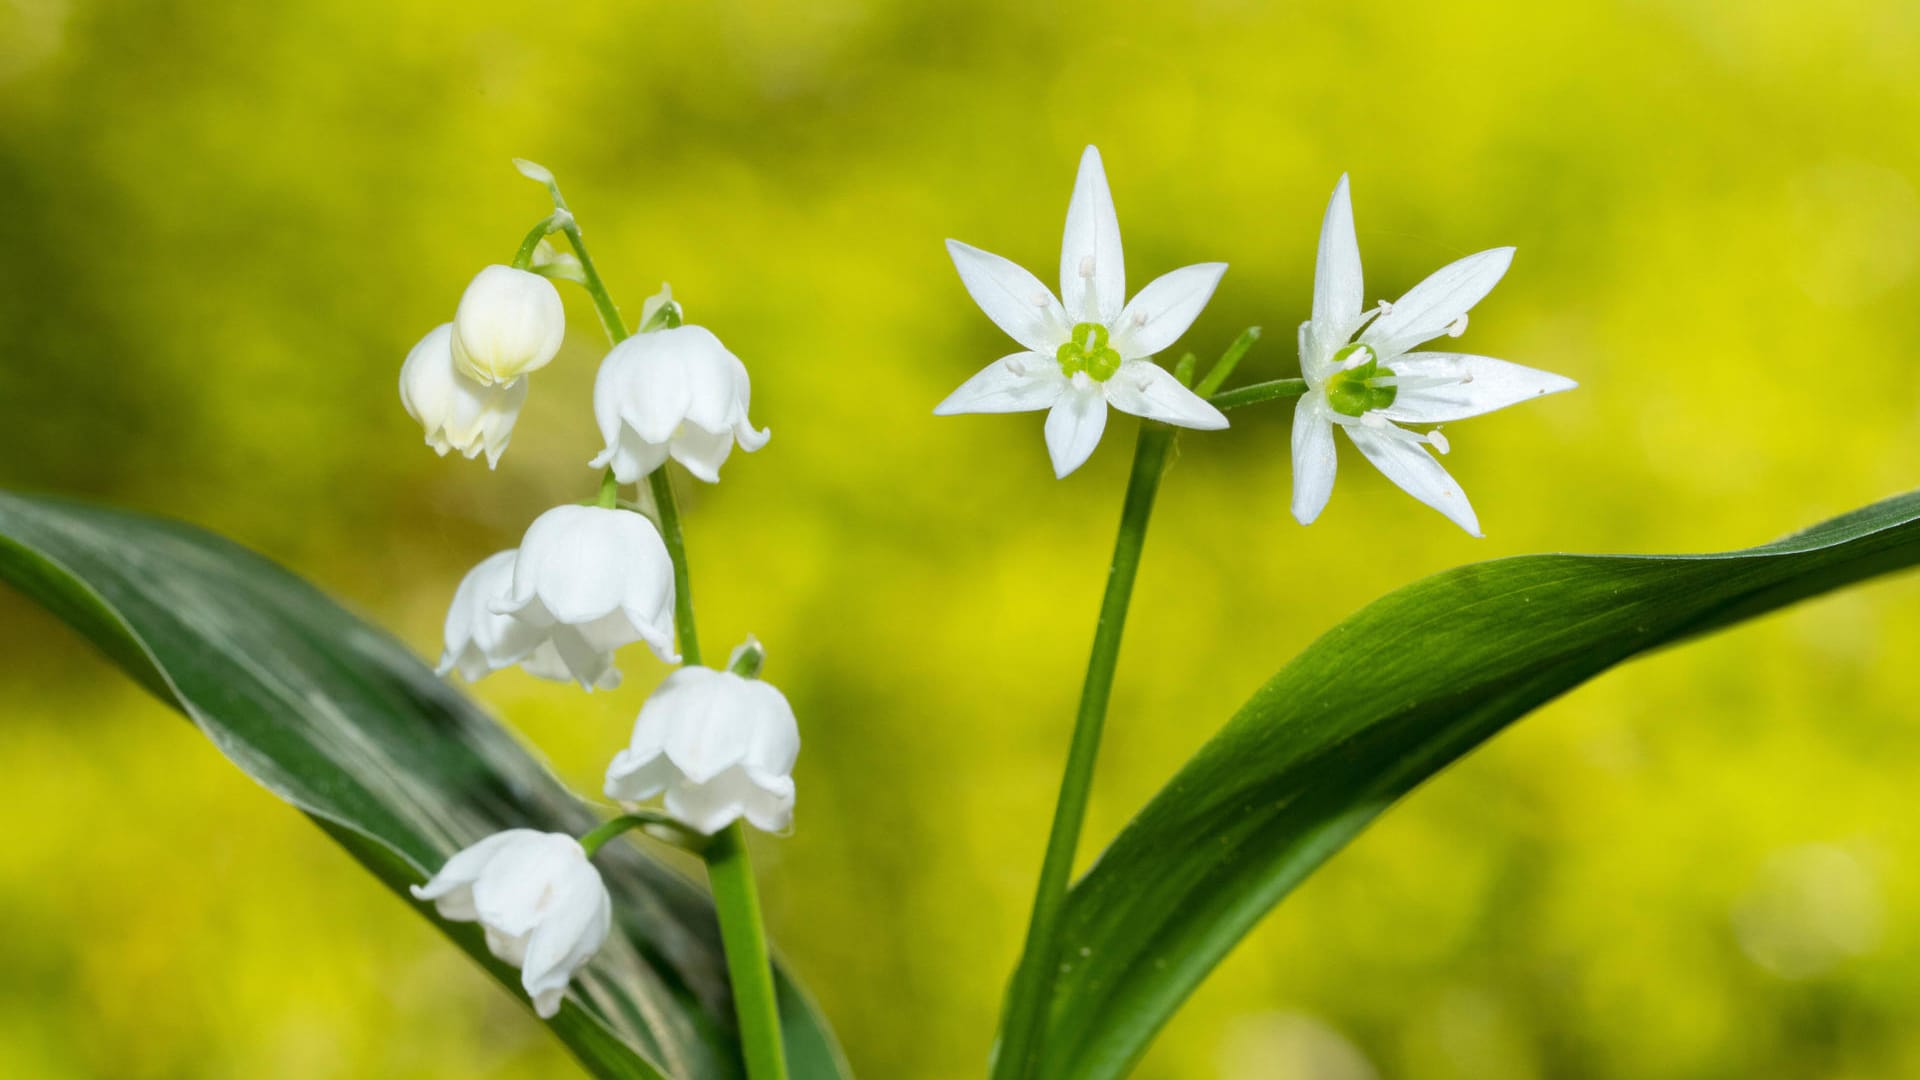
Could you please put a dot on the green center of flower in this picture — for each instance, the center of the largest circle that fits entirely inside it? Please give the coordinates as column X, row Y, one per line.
column 1087, row 350
column 1351, row 391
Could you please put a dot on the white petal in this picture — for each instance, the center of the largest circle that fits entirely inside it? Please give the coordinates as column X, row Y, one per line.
column 1022, row 382
column 1144, row 388
column 1093, row 273
column 1314, row 460
column 566, row 938
column 776, row 737
column 1481, row 385
column 633, row 776
column 1074, row 426
column 582, row 562
column 585, row 663
column 1164, row 309
column 1015, row 300
column 740, row 723
column 631, row 457
column 702, row 451
column 1408, row 464
column 734, row 794
column 1434, row 304
column 523, row 882
column 464, row 868
column 1338, row 292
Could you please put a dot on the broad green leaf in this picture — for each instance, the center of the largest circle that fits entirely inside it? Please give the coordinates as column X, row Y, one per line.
column 1380, row 703
column 345, row 723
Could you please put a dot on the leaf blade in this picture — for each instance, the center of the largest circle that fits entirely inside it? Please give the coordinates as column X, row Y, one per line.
column 1316, row 754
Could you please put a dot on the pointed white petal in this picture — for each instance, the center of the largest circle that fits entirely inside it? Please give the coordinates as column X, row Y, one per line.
column 1144, row 388
column 1314, row 461
column 1022, row 382
column 1338, row 292
column 1164, row 309
column 1074, row 426
column 1480, row 384
column 1432, row 306
column 1093, row 273
column 1015, row 300
column 1408, row 464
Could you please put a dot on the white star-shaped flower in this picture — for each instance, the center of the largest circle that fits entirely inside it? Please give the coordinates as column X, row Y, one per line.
column 1371, row 386
column 1094, row 349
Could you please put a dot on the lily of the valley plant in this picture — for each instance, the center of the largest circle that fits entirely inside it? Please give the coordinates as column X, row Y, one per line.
column 717, row 747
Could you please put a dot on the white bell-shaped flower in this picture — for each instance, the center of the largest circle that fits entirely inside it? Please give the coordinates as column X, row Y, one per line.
column 458, row 413
column 593, row 579
column 672, row 393
column 719, row 745
column 540, row 901
column 479, row 642
column 509, row 322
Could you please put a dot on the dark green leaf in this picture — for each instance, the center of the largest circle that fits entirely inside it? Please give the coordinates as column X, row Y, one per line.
column 342, row 721
column 1380, row 703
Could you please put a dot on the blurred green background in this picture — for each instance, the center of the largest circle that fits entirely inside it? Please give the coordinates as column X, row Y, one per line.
column 225, row 223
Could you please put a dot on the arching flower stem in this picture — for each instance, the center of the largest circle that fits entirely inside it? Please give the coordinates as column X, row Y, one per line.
column 729, row 873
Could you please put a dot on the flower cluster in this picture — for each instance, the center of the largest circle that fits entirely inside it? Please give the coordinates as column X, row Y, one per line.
column 1086, row 350
column 716, row 747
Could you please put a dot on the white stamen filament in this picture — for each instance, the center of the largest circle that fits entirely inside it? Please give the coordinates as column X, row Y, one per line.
column 1457, row 326
column 1086, row 266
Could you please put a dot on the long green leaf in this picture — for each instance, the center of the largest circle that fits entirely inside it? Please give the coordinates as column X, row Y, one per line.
column 342, row 721
column 1380, row 703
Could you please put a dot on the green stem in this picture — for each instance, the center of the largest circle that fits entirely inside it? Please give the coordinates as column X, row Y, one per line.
column 609, row 491
column 642, row 819
column 749, row 964
column 553, row 222
column 1029, row 997
column 1259, row 392
column 1228, row 361
column 662, row 487
column 729, row 873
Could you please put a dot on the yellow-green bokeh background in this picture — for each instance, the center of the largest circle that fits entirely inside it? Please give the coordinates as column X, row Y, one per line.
column 224, row 223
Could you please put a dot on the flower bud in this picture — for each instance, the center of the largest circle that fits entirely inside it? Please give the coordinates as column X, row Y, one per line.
column 509, row 323
column 591, row 580
column 719, row 745
column 457, row 413
column 672, row 393
column 542, row 904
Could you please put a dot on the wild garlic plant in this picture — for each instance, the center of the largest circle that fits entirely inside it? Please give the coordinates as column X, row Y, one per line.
column 717, row 747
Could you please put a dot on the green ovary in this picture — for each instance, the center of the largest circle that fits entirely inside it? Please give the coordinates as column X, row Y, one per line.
column 1087, row 350
column 1351, row 391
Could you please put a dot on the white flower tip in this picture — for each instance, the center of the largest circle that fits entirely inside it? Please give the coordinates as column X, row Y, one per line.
column 533, row 171
column 418, row 892
column 1438, row 441
column 1458, row 326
